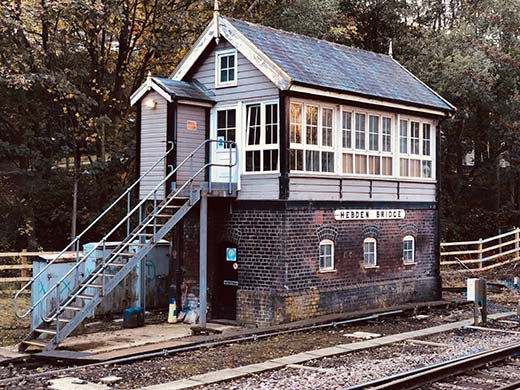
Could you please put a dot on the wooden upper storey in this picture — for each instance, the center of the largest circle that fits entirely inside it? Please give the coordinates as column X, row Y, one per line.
column 300, row 142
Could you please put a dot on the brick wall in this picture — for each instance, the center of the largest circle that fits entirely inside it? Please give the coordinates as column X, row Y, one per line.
column 278, row 247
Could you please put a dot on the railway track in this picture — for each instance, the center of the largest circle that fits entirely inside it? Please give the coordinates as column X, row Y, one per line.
column 493, row 369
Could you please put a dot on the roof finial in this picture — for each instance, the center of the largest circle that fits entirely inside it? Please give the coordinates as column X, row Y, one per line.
column 216, row 14
column 390, row 49
column 149, row 76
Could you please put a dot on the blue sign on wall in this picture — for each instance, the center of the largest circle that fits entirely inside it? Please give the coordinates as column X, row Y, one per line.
column 231, row 254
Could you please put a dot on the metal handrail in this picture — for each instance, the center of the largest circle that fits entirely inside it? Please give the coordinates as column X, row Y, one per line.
column 151, row 195
column 76, row 239
column 114, row 254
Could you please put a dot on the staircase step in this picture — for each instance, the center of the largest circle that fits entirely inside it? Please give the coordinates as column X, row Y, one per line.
column 172, row 206
column 126, row 254
column 151, row 225
column 85, row 296
column 140, row 245
column 74, row 308
column 91, row 285
column 117, row 265
column 45, row 331
column 34, row 343
column 146, row 234
column 164, row 215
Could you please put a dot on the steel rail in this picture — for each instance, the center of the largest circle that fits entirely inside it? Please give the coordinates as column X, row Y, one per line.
column 201, row 345
column 426, row 375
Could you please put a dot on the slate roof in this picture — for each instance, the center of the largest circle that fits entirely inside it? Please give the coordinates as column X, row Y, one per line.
column 323, row 64
column 184, row 89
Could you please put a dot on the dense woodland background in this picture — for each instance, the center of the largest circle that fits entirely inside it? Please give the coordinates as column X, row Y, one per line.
column 68, row 67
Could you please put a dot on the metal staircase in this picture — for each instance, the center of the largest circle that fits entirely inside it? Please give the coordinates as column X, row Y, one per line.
column 146, row 224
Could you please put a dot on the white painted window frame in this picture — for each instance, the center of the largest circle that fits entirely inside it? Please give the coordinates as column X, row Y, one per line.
column 366, row 151
column 262, row 145
column 319, row 147
column 366, row 241
column 421, row 156
column 412, row 239
column 225, row 53
column 326, row 268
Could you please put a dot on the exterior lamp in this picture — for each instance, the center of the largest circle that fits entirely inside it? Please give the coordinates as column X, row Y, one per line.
column 151, row 104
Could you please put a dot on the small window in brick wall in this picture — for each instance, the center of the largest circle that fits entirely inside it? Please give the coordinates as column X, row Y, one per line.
column 326, row 255
column 370, row 252
column 408, row 250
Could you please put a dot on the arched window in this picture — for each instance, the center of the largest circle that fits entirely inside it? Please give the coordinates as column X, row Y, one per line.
column 408, row 250
column 370, row 252
column 326, row 255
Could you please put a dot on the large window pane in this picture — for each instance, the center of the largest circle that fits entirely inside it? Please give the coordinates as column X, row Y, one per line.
column 270, row 160
column 253, row 161
column 373, row 133
column 374, row 165
column 347, row 129
column 312, row 160
column 271, row 124
column 296, row 123
column 360, row 131
column 326, row 127
column 403, row 136
column 415, row 168
column 348, row 163
column 226, row 120
column 426, row 139
column 414, row 137
column 386, row 144
column 403, row 167
column 386, row 166
column 253, row 125
column 427, row 169
column 327, row 161
column 361, row 163
column 296, row 160
column 311, row 129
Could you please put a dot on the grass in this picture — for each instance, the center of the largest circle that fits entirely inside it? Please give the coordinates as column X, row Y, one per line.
column 13, row 329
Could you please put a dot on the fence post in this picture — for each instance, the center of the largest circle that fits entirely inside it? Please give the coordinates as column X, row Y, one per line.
column 517, row 242
column 480, row 252
column 24, row 273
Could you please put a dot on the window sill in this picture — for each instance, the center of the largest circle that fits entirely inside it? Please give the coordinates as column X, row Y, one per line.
column 327, row 271
column 226, row 85
column 371, row 266
column 414, row 263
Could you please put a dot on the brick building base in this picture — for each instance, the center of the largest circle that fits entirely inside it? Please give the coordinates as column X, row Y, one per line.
column 278, row 249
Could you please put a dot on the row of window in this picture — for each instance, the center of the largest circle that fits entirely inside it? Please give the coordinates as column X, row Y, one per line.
column 326, row 254
column 366, row 141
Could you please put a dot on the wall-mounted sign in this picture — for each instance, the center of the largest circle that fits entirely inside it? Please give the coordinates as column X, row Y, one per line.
column 368, row 214
column 191, row 125
column 231, row 254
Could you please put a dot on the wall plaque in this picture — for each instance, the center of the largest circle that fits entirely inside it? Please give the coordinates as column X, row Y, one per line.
column 191, row 125
column 368, row 214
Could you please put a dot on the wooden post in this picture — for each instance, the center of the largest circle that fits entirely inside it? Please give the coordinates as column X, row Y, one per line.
column 203, row 261
column 480, row 252
column 517, row 242
column 24, row 273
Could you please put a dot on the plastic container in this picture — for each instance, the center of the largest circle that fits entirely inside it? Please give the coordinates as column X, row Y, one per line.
column 133, row 317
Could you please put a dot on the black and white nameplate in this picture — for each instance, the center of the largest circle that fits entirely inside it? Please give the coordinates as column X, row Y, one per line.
column 368, row 214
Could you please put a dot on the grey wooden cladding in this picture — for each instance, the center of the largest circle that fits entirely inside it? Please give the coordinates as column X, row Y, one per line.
column 153, row 143
column 259, row 187
column 189, row 139
column 348, row 189
column 252, row 85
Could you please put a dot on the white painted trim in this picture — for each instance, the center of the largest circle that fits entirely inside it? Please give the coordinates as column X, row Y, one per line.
column 145, row 88
column 359, row 99
column 332, row 267
column 218, row 54
column 261, row 61
column 194, row 103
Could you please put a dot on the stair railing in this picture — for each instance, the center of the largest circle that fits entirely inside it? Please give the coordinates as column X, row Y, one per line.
column 152, row 195
column 75, row 243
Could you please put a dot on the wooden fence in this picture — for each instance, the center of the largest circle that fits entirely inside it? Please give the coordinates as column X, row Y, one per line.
column 482, row 254
column 16, row 269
